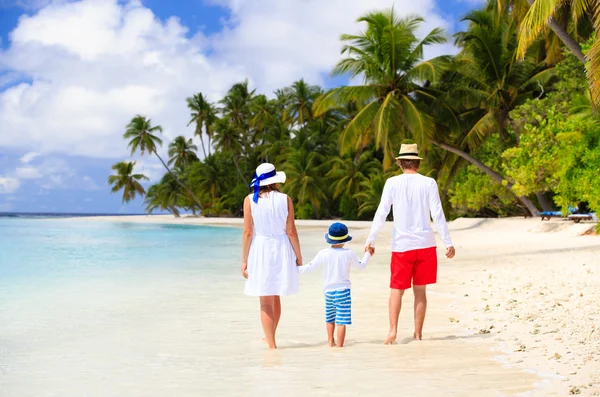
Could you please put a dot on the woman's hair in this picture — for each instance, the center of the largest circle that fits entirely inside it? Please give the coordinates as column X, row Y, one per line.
column 409, row 164
column 274, row 187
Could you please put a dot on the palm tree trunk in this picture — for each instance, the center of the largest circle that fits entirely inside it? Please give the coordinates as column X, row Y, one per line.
column 202, row 142
column 562, row 34
column 493, row 174
column 192, row 195
column 237, row 167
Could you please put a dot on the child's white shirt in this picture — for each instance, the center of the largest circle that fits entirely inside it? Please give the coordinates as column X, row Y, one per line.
column 336, row 264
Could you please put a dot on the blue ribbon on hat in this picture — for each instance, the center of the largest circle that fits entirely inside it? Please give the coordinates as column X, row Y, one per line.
column 256, row 182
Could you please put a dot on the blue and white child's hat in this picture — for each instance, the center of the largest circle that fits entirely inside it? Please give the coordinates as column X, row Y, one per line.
column 338, row 234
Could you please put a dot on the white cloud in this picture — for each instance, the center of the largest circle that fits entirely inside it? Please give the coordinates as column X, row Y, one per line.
column 94, row 64
column 28, row 173
column 8, row 185
column 29, row 157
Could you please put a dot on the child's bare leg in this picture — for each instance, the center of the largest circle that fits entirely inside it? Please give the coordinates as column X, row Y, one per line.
column 330, row 329
column 341, row 335
column 395, row 304
column 420, row 309
column 267, row 318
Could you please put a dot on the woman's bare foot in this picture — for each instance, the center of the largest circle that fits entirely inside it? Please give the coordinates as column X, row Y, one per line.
column 418, row 337
column 331, row 343
column 391, row 339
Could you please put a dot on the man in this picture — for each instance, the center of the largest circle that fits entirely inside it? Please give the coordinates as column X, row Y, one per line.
column 414, row 258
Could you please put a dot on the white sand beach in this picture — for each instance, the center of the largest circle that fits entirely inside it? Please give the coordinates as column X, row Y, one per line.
column 515, row 312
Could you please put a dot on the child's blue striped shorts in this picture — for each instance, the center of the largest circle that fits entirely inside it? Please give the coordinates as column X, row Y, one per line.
column 338, row 306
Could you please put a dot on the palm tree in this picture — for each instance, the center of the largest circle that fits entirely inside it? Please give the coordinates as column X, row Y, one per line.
column 305, row 179
column 370, row 194
column 543, row 12
column 389, row 56
column 228, row 139
column 166, row 196
column 140, row 134
column 299, row 100
column 204, row 116
column 126, row 180
column 489, row 83
column 181, row 152
column 348, row 173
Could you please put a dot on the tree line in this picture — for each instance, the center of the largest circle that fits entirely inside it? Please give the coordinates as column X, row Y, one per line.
column 508, row 126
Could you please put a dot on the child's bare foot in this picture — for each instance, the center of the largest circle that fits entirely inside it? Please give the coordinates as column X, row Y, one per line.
column 331, row 343
column 391, row 339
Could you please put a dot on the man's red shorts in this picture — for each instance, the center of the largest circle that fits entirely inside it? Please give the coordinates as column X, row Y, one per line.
column 418, row 266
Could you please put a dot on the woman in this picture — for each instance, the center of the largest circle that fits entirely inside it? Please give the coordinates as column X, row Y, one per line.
column 270, row 247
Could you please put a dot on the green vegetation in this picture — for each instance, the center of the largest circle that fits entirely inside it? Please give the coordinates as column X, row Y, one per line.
column 507, row 126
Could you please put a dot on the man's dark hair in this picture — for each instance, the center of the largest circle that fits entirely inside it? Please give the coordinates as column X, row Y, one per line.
column 409, row 164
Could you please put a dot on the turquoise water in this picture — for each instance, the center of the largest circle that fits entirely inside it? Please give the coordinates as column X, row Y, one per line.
column 43, row 252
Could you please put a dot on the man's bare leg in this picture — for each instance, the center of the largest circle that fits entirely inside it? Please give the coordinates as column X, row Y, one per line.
column 330, row 329
column 420, row 309
column 341, row 335
column 395, row 304
column 267, row 318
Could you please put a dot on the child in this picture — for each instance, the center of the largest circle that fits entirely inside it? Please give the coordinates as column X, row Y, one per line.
column 336, row 262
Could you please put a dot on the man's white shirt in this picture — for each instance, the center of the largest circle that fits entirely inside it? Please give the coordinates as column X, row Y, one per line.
column 415, row 198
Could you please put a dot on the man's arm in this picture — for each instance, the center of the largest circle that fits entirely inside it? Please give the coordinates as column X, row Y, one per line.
column 380, row 216
column 437, row 214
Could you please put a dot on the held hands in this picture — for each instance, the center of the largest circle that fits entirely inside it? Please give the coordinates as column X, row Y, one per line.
column 298, row 261
column 450, row 252
column 369, row 249
column 245, row 269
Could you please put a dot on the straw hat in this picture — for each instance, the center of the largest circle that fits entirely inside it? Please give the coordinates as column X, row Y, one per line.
column 409, row 152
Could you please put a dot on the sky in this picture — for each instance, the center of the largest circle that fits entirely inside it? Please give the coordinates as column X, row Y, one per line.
column 73, row 73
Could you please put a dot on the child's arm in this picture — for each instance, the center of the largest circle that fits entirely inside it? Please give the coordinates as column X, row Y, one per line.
column 316, row 262
column 361, row 263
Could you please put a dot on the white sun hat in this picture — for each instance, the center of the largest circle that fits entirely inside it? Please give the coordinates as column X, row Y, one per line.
column 265, row 175
column 409, row 152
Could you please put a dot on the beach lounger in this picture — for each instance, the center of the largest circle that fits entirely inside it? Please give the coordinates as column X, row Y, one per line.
column 546, row 215
column 582, row 217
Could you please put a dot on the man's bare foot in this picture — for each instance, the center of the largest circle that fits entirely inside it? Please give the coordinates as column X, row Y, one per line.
column 418, row 337
column 331, row 343
column 390, row 340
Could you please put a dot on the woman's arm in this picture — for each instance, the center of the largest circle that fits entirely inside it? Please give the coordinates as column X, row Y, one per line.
column 246, row 236
column 293, row 233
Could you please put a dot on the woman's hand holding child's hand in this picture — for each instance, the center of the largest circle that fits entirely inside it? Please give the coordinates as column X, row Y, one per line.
column 298, row 261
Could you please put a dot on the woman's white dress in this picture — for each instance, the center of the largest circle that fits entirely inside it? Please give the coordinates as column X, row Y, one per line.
column 272, row 261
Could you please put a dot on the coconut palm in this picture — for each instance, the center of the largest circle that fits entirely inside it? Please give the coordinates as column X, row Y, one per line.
column 543, row 12
column 348, row 173
column 141, row 136
column 370, row 194
column 299, row 100
column 305, row 178
column 390, row 58
column 204, row 116
column 182, row 152
column 126, row 180
column 228, row 139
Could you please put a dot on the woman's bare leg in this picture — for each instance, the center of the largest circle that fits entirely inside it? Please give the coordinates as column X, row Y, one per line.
column 276, row 310
column 267, row 318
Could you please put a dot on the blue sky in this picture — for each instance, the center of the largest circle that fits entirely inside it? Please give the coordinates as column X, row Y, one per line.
column 73, row 73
